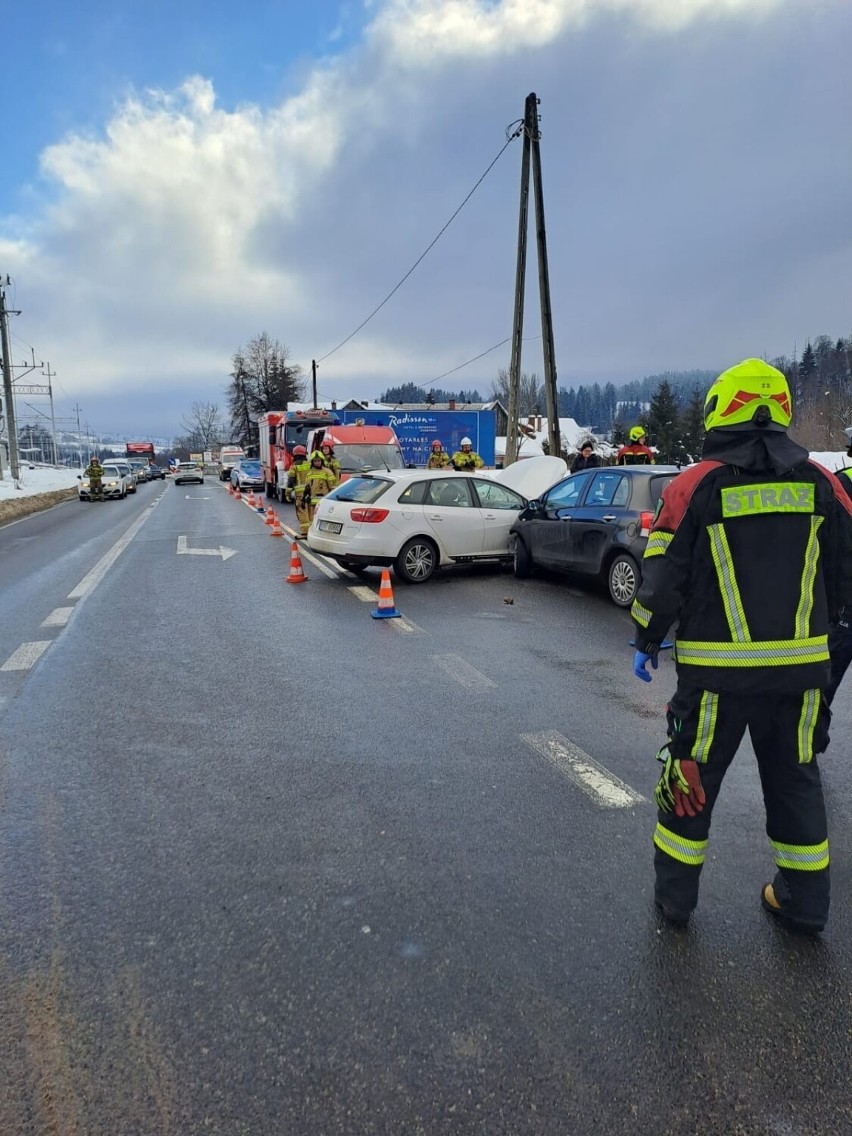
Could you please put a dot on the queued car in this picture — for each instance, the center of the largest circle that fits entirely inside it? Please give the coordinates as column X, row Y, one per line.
column 418, row 520
column 140, row 468
column 247, row 474
column 188, row 471
column 594, row 523
column 155, row 472
column 113, row 482
column 124, row 465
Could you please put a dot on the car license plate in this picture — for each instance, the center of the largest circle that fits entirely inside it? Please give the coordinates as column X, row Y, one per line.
column 329, row 526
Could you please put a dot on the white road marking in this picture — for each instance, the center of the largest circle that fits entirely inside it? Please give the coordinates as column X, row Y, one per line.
column 26, row 656
column 91, row 580
column 309, row 556
column 184, row 550
column 457, row 668
column 603, row 787
column 58, row 617
column 405, row 625
column 188, row 498
column 364, row 594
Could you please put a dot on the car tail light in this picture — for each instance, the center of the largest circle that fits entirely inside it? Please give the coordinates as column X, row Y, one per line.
column 645, row 522
column 369, row 516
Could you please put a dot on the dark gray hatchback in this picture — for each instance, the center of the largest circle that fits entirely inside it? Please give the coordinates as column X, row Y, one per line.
column 595, row 523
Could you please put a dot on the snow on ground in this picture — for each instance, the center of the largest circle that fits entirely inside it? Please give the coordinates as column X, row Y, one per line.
column 832, row 461
column 41, row 479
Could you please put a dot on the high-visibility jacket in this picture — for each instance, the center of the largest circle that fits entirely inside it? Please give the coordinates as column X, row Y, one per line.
column 752, row 564
column 318, row 482
column 634, row 454
column 297, row 473
column 329, row 462
column 438, row 459
column 467, row 460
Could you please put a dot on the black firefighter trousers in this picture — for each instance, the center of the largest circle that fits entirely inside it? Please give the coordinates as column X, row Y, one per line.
column 786, row 732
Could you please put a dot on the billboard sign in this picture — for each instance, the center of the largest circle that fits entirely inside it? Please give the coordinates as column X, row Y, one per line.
column 418, row 429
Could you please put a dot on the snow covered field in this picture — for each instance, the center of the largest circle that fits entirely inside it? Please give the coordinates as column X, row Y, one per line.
column 38, row 480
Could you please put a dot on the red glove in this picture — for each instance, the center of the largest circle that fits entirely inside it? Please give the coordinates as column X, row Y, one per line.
column 687, row 790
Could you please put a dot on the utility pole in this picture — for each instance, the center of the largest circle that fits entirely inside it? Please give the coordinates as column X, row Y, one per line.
column 314, row 382
column 514, row 407
column 553, row 433
column 49, row 375
column 532, row 152
column 79, row 440
column 11, row 428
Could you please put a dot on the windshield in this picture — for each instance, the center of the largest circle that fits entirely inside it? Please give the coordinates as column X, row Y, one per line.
column 364, row 490
column 369, row 457
column 296, row 433
column 251, row 468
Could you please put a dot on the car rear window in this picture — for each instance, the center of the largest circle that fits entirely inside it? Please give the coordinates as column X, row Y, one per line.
column 658, row 484
column 364, row 490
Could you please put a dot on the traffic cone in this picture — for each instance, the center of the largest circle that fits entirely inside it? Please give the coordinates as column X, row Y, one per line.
column 230, row 490
column 276, row 529
column 251, row 501
column 297, row 572
column 237, row 495
column 386, row 609
column 270, row 515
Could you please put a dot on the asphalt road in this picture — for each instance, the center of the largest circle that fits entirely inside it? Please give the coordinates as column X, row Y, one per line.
column 270, row 866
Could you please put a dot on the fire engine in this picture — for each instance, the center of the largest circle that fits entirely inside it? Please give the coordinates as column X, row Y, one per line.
column 280, row 431
column 358, row 447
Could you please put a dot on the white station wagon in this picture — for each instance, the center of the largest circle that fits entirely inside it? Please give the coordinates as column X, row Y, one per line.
column 418, row 520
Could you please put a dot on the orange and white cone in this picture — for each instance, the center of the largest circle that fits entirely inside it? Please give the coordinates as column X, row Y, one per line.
column 230, row 489
column 252, row 504
column 276, row 529
column 270, row 516
column 297, row 572
column 386, row 609
column 237, row 495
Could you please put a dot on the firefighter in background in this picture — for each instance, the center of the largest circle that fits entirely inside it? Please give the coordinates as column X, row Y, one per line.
column 752, row 646
column 296, row 477
column 319, row 480
column 326, row 452
column 438, row 458
column 636, row 452
column 95, row 473
column 465, row 458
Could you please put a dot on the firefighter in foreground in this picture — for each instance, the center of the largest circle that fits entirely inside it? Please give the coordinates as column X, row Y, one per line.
column 438, row 458
column 466, row 458
column 296, row 478
column 95, row 473
column 636, row 452
column 319, row 480
column 751, row 552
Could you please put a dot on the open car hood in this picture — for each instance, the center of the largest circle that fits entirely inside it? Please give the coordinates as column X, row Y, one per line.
column 530, row 477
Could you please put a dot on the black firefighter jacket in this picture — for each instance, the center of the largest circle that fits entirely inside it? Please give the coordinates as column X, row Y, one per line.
column 751, row 554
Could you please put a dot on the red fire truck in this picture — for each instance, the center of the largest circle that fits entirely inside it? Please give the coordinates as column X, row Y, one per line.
column 280, row 431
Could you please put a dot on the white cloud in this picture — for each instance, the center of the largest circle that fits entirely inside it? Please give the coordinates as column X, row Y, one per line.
column 186, row 227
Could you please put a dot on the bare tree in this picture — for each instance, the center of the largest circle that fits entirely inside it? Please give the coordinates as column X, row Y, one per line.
column 262, row 379
column 203, row 425
column 531, row 392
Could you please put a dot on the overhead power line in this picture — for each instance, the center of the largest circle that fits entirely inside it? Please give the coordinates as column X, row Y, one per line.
column 513, row 131
column 482, row 355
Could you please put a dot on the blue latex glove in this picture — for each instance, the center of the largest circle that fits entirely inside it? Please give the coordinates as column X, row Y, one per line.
column 640, row 661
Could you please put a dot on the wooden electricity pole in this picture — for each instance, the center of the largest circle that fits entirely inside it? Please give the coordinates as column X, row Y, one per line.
column 532, row 151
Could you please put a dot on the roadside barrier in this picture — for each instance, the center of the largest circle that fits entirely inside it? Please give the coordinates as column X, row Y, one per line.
column 386, row 608
column 297, row 572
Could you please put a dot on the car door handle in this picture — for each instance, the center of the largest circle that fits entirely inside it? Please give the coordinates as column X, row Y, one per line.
column 435, row 517
column 609, row 517
column 565, row 518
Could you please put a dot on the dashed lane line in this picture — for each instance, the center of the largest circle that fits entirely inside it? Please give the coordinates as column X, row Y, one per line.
column 460, row 670
column 26, row 656
column 603, row 787
column 58, row 617
column 402, row 623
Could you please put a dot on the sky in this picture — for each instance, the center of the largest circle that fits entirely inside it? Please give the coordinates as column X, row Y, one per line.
column 181, row 175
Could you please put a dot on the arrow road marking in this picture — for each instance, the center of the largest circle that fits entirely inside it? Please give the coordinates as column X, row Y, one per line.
column 182, row 550
column 603, row 787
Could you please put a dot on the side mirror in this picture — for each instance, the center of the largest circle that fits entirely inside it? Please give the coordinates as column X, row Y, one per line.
column 534, row 506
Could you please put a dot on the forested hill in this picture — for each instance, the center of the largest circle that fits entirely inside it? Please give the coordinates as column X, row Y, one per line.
column 602, row 406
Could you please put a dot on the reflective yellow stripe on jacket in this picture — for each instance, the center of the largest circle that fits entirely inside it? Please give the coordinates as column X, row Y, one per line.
column 766, row 653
